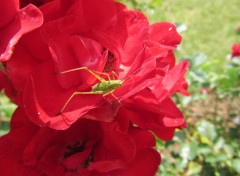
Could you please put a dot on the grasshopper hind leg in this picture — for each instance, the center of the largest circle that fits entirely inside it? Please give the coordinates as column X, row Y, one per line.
column 78, row 93
column 113, row 103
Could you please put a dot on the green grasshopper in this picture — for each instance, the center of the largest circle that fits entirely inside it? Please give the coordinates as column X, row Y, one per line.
column 105, row 87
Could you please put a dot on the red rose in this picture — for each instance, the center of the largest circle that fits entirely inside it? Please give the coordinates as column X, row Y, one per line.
column 123, row 73
column 81, row 33
column 153, row 109
column 15, row 22
column 87, row 148
column 235, row 50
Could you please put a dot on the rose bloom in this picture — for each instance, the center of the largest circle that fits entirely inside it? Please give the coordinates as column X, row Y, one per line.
column 89, row 148
column 154, row 110
column 235, row 50
column 118, row 42
column 15, row 22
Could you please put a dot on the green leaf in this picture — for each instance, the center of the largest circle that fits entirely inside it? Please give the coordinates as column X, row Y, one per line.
column 181, row 164
column 198, row 59
column 6, row 106
column 204, row 149
column 198, row 76
column 168, row 169
column 219, row 144
column 214, row 158
column 206, row 140
column 194, row 168
column 229, row 150
column 179, row 136
column 4, row 128
column 236, row 61
column 236, row 165
column 207, row 129
column 189, row 151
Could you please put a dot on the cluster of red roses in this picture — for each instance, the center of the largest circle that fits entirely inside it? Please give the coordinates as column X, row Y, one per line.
column 106, row 132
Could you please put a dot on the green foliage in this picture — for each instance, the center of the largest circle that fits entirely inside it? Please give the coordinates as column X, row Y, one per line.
column 4, row 127
column 203, row 78
column 205, row 148
column 6, row 110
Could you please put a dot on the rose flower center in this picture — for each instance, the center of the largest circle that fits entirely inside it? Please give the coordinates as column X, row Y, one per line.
column 84, row 159
column 111, row 62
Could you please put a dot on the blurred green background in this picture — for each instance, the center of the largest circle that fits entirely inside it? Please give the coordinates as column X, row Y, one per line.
column 210, row 145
